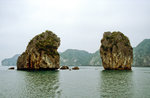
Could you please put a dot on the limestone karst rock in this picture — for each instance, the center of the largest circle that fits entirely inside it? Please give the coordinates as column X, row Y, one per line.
column 41, row 53
column 75, row 68
column 64, row 67
column 116, row 51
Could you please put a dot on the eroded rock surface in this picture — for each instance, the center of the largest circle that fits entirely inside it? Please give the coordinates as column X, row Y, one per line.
column 116, row 51
column 41, row 53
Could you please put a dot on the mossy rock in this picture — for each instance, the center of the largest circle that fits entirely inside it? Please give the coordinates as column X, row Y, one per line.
column 41, row 52
column 116, row 51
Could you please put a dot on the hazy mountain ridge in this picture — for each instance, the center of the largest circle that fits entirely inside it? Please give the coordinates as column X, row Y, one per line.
column 75, row 57
column 80, row 57
column 68, row 57
column 142, row 54
column 10, row 61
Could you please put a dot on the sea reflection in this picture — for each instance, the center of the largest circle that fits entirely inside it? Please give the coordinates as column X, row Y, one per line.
column 41, row 84
column 116, row 84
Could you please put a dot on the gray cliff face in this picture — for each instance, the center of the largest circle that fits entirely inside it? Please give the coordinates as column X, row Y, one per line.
column 41, row 53
column 116, row 51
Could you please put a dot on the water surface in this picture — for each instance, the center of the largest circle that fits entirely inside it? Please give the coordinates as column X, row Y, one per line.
column 88, row 82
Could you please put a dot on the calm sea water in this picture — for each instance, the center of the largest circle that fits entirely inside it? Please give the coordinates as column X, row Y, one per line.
column 88, row 82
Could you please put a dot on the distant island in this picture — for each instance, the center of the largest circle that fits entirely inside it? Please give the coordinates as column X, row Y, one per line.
column 141, row 57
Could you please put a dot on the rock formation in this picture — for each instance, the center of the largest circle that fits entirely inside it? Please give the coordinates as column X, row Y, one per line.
column 116, row 51
column 64, row 67
column 141, row 55
column 41, row 53
column 75, row 68
column 11, row 68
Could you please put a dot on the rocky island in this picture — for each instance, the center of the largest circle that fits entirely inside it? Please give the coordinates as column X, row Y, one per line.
column 116, row 52
column 41, row 53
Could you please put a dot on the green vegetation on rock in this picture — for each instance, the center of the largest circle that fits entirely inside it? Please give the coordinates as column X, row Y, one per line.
column 116, row 51
column 41, row 52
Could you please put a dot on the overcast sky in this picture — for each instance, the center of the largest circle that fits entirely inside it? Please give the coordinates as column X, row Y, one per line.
column 79, row 23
